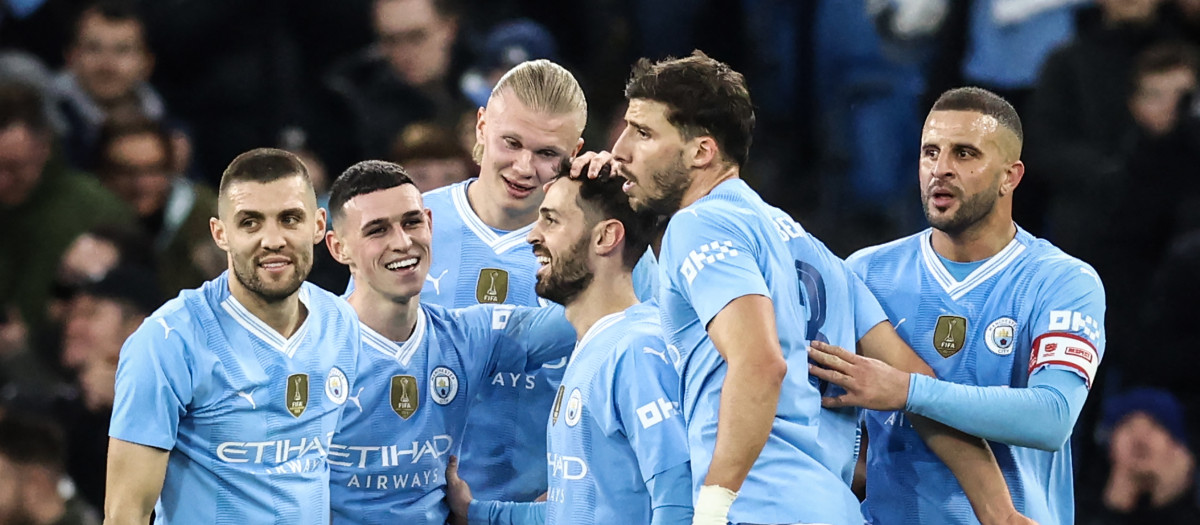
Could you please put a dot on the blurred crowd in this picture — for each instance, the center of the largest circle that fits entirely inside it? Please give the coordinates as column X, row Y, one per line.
column 117, row 118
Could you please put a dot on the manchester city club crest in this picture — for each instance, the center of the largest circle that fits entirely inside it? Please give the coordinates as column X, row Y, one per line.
column 492, row 286
column 950, row 334
column 296, row 399
column 1000, row 335
column 443, row 385
column 406, row 399
column 336, row 386
column 574, row 408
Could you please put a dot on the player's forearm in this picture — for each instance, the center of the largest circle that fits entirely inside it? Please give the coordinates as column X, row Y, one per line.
column 1040, row 416
column 975, row 467
column 506, row 513
column 749, row 398
column 119, row 511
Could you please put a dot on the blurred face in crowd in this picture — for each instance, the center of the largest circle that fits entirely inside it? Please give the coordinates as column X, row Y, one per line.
column 1141, row 444
column 650, row 156
column 522, row 150
column 415, row 38
column 1128, row 11
column 431, row 174
column 87, row 259
column 109, row 56
column 23, row 155
column 138, row 171
column 560, row 240
column 1155, row 101
column 268, row 230
column 968, row 163
column 96, row 327
column 385, row 238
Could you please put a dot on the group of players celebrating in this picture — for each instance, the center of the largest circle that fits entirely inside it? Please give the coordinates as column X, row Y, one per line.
column 671, row 350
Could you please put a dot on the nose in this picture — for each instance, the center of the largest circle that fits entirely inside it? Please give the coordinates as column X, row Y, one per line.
column 535, row 234
column 400, row 240
column 523, row 165
column 942, row 167
column 620, row 148
column 273, row 239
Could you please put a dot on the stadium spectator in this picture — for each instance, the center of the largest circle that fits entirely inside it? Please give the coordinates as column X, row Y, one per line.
column 432, row 156
column 33, row 488
column 43, row 204
column 134, row 160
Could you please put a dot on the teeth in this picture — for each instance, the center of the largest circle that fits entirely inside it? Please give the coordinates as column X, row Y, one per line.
column 542, row 259
column 403, row 263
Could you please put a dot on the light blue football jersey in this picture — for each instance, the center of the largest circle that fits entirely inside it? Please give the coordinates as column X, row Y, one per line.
column 246, row 414
column 1028, row 308
column 409, row 405
column 615, row 423
column 726, row 245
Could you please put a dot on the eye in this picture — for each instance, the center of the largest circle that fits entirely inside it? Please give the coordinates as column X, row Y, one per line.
column 248, row 224
column 643, row 133
column 966, row 153
column 413, row 223
column 512, row 144
column 929, row 153
column 376, row 231
column 548, row 154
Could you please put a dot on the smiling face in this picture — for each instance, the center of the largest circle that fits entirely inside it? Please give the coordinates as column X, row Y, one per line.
column 522, row 149
column 385, row 238
column 650, row 155
column 968, row 165
column 561, row 238
column 268, row 230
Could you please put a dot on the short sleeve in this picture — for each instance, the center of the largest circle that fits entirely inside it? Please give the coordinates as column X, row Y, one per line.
column 711, row 261
column 645, row 392
column 867, row 310
column 154, row 385
column 1068, row 323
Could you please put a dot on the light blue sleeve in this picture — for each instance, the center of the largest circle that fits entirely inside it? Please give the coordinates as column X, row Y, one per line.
column 645, row 394
column 1068, row 329
column 506, row 513
column 1040, row 416
column 711, row 261
column 535, row 336
column 671, row 496
column 153, row 386
column 867, row 310
column 645, row 276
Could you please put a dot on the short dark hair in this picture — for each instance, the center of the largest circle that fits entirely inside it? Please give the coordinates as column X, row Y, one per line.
column 22, row 104
column 116, row 129
column 982, row 101
column 368, row 176
column 703, row 97
column 31, row 440
column 1163, row 57
column 263, row 165
column 602, row 198
column 111, row 10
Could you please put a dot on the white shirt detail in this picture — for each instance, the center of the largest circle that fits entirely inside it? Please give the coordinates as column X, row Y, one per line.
column 437, row 283
column 249, row 397
column 166, row 327
column 355, row 397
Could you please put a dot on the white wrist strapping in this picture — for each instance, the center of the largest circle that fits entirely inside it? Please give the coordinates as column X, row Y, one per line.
column 712, row 505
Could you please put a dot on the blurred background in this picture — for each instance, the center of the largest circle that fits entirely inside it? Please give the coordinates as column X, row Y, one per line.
column 117, row 118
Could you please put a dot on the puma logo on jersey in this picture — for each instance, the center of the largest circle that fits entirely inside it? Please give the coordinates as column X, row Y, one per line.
column 354, row 398
column 166, row 327
column 248, row 397
column 661, row 354
column 437, row 283
column 897, row 325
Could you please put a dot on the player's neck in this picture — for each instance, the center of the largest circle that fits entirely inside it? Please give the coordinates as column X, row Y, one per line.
column 706, row 180
column 608, row 294
column 394, row 320
column 492, row 212
column 978, row 242
column 284, row 316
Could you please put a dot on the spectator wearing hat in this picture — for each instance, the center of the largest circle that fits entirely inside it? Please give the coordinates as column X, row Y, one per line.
column 1152, row 475
column 506, row 45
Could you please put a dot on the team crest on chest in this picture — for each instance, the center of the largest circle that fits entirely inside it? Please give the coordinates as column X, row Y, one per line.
column 574, row 408
column 950, row 334
column 492, row 286
column 296, row 394
column 405, row 396
column 443, row 385
column 336, row 386
column 1000, row 335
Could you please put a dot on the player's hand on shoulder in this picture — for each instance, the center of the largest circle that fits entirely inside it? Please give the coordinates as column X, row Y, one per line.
column 458, row 493
column 869, row 383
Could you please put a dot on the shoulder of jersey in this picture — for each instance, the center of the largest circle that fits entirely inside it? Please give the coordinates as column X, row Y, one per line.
column 865, row 255
column 441, row 194
column 1051, row 262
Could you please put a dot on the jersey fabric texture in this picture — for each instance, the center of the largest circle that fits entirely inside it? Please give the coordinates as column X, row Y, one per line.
column 246, row 414
column 1027, row 309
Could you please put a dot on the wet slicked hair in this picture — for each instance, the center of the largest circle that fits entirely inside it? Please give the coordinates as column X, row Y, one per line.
column 602, row 199
column 544, row 87
column 368, row 176
column 982, row 101
column 263, row 165
column 703, row 97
